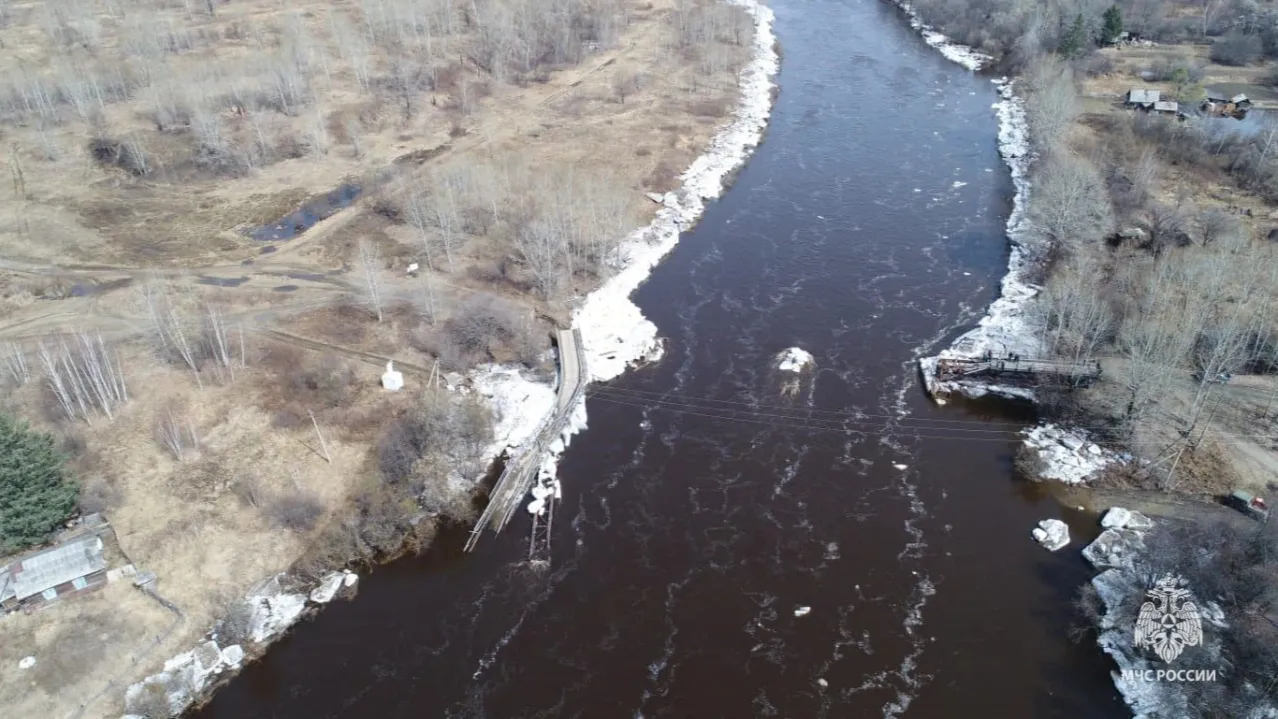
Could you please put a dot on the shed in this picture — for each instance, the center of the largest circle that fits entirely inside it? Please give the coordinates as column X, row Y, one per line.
column 46, row 575
column 1241, row 100
column 1143, row 98
column 1167, row 106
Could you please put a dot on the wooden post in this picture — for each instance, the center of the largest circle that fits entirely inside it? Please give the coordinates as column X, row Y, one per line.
column 318, row 433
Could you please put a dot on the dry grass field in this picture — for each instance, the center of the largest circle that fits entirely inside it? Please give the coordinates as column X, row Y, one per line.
column 500, row 150
column 1236, row 427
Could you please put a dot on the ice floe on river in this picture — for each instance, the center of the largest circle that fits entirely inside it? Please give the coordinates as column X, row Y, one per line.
column 1053, row 534
column 794, row 359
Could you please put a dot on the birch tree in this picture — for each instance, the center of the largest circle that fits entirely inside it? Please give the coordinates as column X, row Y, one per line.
column 370, row 261
column 83, row 376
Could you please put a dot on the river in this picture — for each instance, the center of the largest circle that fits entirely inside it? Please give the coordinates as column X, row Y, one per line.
column 711, row 502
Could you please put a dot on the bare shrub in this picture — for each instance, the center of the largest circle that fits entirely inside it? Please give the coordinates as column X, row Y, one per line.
column 442, row 437
column 175, row 431
column 297, row 510
column 486, row 326
column 99, row 494
column 1237, row 49
column 236, row 623
column 1166, row 225
column 128, row 155
column 248, row 488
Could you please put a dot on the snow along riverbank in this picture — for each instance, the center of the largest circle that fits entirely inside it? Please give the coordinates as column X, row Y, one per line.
column 1009, row 325
column 615, row 334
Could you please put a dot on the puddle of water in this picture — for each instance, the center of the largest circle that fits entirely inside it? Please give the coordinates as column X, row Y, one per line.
column 88, row 288
column 305, row 217
column 307, row 276
column 222, row 281
column 285, row 288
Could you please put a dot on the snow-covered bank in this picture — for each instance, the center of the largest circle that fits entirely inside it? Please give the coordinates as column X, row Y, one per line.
column 1009, row 325
column 268, row 611
column 1120, row 585
column 615, row 332
column 954, row 52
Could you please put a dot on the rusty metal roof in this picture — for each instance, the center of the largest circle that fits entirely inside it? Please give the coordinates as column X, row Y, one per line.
column 47, row 569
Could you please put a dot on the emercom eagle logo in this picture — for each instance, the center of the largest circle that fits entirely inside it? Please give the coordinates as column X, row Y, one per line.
column 1169, row 620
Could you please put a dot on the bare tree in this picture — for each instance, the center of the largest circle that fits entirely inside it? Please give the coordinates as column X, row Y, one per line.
column 219, row 345
column 1078, row 317
column 1214, row 224
column 15, row 361
column 1051, row 102
column 370, row 261
column 172, row 328
column 541, row 249
column 84, row 377
column 1071, row 204
column 175, row 431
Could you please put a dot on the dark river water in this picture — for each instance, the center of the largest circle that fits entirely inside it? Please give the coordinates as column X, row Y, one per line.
column 709, row 500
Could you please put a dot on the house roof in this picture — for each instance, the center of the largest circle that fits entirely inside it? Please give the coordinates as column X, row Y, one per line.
column 1238, row 98
column 52, row 567
column 1167, row 106
column 1143, row 96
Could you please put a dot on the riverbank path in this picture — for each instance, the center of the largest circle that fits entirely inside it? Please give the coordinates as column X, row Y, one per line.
column 517, row 478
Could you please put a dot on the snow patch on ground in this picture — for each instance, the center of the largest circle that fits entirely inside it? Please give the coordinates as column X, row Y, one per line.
column 1067, row 455
column 1009, row 325
column 520, row 406
column 795, row 359
column 615, row 333
column 954, row 52
column 1053, row 534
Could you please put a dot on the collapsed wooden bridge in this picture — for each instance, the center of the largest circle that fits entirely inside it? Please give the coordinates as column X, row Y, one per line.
column 516, row 480
column 1014, row 366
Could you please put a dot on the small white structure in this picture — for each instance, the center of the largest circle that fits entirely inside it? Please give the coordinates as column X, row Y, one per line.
column 412, row 268
column 802, row 611
column 1052, row 534
column 392, row 380
column 27, row 662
